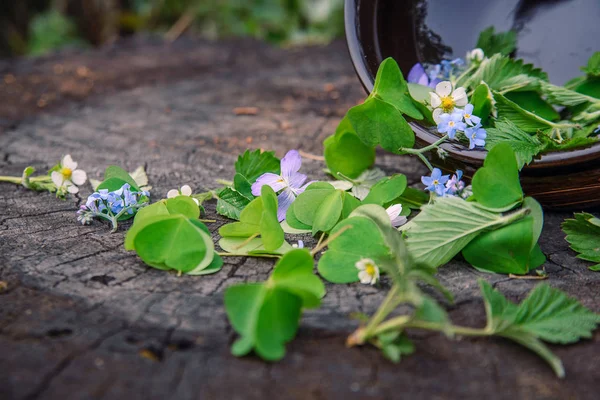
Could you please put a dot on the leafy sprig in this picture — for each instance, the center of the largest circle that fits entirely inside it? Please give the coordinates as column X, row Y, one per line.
column 583, row 234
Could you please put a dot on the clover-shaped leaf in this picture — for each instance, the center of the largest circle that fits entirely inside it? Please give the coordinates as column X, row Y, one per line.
column 259, row 218
column 379, row 123
column 511, row 249
column 386, row 190
column 253, row 164
column 266, row 315
column 391, row 87
column 361, row 238
column 115, row 177
column 496, row 185
column 345, row 153
column 320, row 207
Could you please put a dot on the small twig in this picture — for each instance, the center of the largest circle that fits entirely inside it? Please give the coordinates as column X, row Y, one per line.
column 528, row 277
column 224, row 254
column 311, row 156
column 331, row 238
column 181, row 25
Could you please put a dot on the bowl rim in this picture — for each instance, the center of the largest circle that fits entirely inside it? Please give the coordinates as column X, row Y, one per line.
column 551, row 160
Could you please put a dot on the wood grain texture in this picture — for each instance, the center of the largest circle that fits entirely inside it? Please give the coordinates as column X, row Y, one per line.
column 81, row 318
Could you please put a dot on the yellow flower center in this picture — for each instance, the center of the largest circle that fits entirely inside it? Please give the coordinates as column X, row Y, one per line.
column 436, row 182
column 447, row 104
column 66, row 172
column 370, row 269
column 451, row 124
column 467, row 116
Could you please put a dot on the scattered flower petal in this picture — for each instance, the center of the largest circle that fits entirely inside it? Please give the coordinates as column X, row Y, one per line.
column 395, row 217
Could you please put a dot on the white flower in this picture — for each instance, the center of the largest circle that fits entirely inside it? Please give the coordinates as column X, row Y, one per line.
column 394, row 214
column 299, row 245
column 185, row 190
column 68, row 176
column 445, row 99
column 368, row 271
column 475, row 55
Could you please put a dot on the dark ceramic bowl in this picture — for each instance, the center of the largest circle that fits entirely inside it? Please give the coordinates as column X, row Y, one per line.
column 377, row 29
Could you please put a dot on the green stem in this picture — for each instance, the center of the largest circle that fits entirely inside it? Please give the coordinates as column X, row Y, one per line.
column 224, row 254
column 11, row 179
column 425, row 161
column 345, row 178
column 432, row 146
column 245, row 242
column 458, row 81
column 224, row 182
column 389, row 304
column 405, row 321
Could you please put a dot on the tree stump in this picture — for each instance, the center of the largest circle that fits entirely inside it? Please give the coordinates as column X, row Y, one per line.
column 81, row 318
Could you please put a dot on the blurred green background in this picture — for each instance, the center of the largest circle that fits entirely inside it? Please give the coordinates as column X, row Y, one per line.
column 33, row 27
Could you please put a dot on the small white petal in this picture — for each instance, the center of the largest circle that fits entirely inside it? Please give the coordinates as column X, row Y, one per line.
column 68, row 162
column 71, row 188
column 186, row 190
column 460, row 97
column 79, row 177
column 434, row 100
column 436, row 115
column 172, row 193
column 364, row 277
column 443, row 89
column 394, row 211
column 57, row 178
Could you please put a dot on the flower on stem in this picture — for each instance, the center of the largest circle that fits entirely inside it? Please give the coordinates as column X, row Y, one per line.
column 445, row 99
column 476, row 135
column 394, row 213
column 289, row 184
column 112, row 205
column 475, row 56
column 455, row 185
column 435, row 182
column 470, row 119
column 418, row 75
column 368, row 271
column 185, row 190
column 450, row 123
column 67, row 177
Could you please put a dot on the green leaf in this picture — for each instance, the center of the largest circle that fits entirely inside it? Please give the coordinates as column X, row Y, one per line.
column 496, row 184
column 524, row 145
column 320, row 207
column 510, row 249
column 394, row 345
column 379, row 123
column 562, row 96
column 182, row 205
column 546, row 314
column 253, row 247
column 230, row 203
column 386, row 190
column 533, row 102
column 174, row 242
column 444, row 228
column 328, row 213
column 391, row 87
column 115, row 177
column 266, row 315
column 345, row 153
column 492, row 43
column 253, row 164
column 412, row 199
column 482, row 103
column 525, row 120
column 583, row 235
column 364, row 239
column 243, row 186
column 502, row 73
column 294, row 272
column 593, row 65
column 258, row 218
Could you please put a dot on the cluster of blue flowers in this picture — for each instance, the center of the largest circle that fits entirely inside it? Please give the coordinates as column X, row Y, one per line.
column 111, row 205
column 432, row 74
column 463, row 121
column 444, row 185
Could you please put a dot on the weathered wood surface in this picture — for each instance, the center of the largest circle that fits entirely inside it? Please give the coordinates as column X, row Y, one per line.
column 81, row 318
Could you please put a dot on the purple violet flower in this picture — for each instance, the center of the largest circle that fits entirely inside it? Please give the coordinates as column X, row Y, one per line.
column 454, row 186
column 418, row 75
column 289, row 184
column 435, row 182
